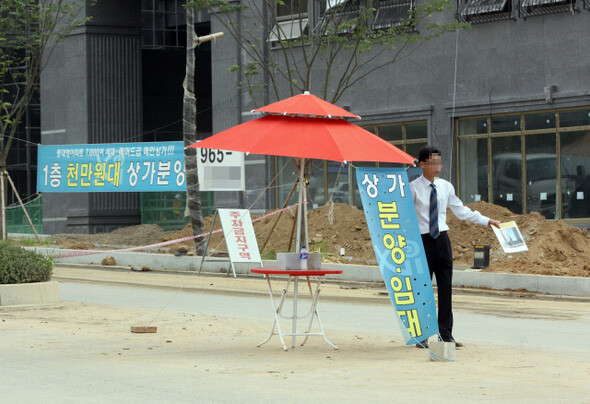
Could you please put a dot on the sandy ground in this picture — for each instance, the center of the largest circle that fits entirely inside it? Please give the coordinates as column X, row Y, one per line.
column 214, row 358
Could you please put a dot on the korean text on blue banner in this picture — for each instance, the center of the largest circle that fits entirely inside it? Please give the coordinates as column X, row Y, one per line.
column 121, row 167
column 391, row 218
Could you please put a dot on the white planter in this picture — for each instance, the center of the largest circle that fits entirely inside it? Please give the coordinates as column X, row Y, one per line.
column 29, row 293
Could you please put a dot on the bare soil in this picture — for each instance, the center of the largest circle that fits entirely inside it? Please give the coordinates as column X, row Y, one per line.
column 209, row 354
column 555, row 247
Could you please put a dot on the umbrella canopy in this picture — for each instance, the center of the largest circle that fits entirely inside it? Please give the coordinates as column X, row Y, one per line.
column 315, row 138
column 306, row 104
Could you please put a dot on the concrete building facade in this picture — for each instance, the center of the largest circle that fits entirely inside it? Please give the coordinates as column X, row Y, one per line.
column 117, row 79
column 507, row 102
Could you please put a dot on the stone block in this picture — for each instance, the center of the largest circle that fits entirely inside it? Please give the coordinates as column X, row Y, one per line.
column 440, row 351
column 144, row 329
column 29, row 293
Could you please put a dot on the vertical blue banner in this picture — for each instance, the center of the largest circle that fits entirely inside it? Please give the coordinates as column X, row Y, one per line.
column 391, row 218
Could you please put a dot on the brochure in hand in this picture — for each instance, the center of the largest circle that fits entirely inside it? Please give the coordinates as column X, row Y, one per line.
column 510, row 238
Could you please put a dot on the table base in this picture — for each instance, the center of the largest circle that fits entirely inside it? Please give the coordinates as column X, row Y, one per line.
column 313, row 313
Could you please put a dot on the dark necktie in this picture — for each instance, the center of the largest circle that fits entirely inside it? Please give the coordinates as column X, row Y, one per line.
column 433, row 213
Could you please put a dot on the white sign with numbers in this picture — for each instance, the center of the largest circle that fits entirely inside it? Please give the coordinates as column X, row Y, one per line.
column 220, row 170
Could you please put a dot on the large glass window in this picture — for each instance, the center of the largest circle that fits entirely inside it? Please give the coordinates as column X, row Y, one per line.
column 506, row 123
column 317, row 183
column 555, row 179
column 577, row 117
column 542, row 120
column 474, row 126
column 473, row 160
column 338, row 182
column 507, row 173
column 575, row 174
column 410, row 137
column 287, row 176
column 416, row 130
column 541, row 174
column 391, row 133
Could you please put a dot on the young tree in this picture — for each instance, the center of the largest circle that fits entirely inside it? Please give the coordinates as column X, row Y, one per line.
column 189, row 128
column 29, row 32
column 340, row 41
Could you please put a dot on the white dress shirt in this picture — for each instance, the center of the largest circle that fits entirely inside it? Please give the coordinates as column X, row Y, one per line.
column 445, row 197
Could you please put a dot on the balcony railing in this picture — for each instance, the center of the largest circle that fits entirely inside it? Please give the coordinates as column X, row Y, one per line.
column 479, row 11
column 540, row 7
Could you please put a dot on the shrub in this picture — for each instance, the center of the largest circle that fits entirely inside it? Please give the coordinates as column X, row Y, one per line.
column 18, row 265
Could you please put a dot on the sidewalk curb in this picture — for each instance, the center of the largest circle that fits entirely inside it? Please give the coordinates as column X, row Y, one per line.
column 463, row 276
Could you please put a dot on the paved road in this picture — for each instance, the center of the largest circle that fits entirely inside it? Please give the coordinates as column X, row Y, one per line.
column 517, row 350
column 501, row 321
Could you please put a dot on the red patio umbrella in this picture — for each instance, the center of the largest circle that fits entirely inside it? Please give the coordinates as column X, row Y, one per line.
column 306, row 104
column 304, row 137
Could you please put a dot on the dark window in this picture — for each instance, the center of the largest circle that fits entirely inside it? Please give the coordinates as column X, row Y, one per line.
column 163, row 24
column 484, row 10
column 392, row 13
column 292, row 22
column 577, row 117
column 290, row 8
column 506, row 123
column 288, row 30
column 340, row 18
column 540, row 7
column 345, row 16
column 540, row 120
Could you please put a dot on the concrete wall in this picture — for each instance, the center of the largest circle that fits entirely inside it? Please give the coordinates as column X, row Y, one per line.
column 502, row 66
column 91, row 93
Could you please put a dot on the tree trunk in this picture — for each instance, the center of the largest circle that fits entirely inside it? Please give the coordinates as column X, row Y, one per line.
column 193, row 197
column 3, row 224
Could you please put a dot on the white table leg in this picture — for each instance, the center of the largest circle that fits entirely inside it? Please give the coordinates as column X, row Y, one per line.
column 294, row 324
column 314, row 313
column 276, row 313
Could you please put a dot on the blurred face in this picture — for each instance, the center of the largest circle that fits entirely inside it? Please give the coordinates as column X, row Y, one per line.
column 432, row 166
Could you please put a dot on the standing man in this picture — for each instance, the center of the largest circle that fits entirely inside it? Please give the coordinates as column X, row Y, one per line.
column 432, row 196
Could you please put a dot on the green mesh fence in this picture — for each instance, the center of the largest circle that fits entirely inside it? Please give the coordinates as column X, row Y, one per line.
column 166, row 209
column 16, row 220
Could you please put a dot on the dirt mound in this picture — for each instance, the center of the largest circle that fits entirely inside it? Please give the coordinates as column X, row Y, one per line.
column 555, row 248
column 144, row 234
column 348, row 230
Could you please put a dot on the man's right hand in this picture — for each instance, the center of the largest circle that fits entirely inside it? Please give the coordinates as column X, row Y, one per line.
column 493, row 222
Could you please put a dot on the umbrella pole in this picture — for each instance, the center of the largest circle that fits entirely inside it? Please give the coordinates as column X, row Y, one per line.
column 293, row 226
column 300, row 214
column 299, row 206
column 305, row 226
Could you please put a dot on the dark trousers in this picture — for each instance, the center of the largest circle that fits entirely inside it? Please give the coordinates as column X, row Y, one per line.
column 439, row 255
